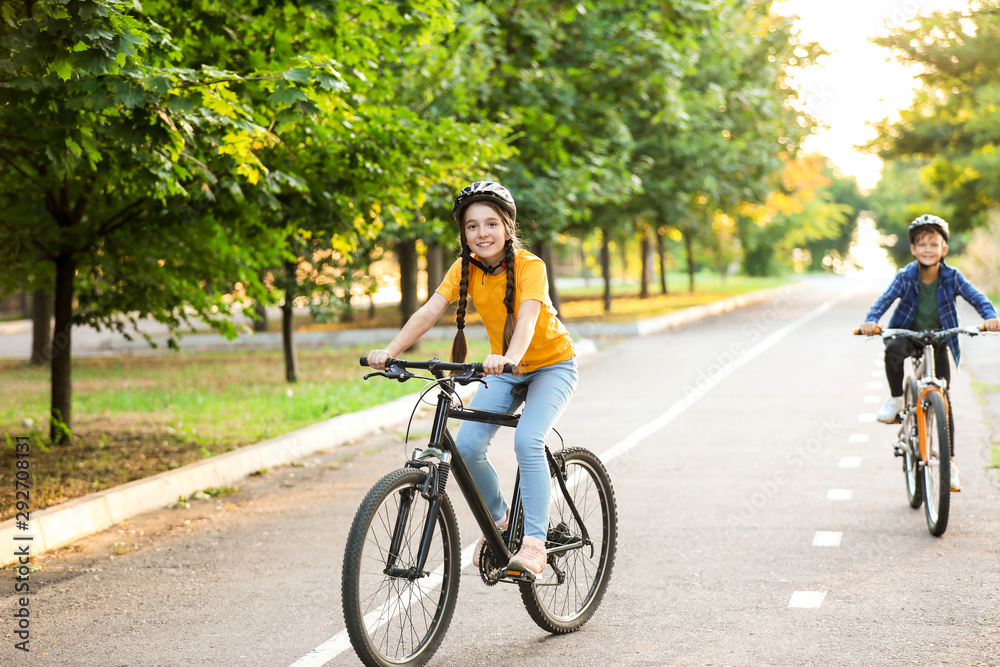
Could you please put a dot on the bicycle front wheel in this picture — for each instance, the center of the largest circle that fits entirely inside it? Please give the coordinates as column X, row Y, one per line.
column 396, row 615
column 568, row 592
column 937, row 467
column 908, row 440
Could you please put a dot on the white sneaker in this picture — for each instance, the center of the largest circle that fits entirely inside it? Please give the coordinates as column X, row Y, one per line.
column 956, row 485
column 891, row 407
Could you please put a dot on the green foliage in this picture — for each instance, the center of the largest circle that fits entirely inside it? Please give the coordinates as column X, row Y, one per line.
column 953, row 126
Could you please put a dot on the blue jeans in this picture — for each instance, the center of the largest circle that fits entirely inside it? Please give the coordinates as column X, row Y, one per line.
column 548, row 392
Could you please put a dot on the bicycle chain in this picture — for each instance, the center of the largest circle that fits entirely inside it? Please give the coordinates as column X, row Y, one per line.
column 488, row 570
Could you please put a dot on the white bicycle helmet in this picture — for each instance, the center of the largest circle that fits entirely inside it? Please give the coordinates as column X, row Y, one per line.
column 927, row 220
column 484, row 191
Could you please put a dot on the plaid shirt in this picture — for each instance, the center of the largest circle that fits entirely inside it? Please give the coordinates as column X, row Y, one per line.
column 905, row 288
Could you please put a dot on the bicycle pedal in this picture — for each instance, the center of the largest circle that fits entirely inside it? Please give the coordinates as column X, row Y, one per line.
column 520, row 575
column 898, row 451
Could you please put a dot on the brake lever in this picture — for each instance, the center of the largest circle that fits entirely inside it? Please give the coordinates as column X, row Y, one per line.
column 467, row 378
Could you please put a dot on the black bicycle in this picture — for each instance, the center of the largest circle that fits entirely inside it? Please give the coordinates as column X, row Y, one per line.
column 402, row 560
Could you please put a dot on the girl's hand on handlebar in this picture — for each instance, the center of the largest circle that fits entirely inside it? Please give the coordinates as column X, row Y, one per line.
column 377, row 359
column 493, row 364
column 869, row 329
column 991, row 325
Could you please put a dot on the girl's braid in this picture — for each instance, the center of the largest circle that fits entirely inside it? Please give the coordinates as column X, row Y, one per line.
column 508, row 298
column 459, row 346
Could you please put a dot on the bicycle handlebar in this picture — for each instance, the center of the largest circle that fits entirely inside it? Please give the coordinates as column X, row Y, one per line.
column 474, row 369
column 926, row 335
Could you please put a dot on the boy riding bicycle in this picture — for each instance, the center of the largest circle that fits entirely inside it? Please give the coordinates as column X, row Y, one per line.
column 927, row 289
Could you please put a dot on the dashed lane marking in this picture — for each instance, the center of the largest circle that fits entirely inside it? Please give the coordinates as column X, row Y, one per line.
column 824, row 538
column 838, row 494
column 859, row 437
column 850, row 462
column 807, row 599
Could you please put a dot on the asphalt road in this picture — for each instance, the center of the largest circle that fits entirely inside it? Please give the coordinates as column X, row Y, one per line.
column 762, row 521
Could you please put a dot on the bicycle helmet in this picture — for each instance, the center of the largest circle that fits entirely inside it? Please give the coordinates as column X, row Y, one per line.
column 484, row 191
column 925, row 221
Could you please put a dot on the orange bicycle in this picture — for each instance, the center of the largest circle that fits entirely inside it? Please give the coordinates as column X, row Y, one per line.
column 926, row 433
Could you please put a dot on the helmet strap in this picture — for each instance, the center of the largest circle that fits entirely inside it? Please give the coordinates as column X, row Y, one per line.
column 467, row 255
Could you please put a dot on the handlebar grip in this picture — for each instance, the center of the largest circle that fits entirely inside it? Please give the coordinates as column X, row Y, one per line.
column 364, row 362
column 857, row 332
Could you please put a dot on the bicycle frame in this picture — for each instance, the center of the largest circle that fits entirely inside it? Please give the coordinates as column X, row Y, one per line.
column 441, row 446
column 927, row 383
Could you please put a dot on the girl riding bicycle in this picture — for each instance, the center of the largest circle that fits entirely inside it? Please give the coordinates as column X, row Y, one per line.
column 509, row 288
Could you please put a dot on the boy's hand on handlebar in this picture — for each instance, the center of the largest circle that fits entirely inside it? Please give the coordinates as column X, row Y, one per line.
column 991, row 325
column 493, row 364
column 869, row 329
column 377, row 359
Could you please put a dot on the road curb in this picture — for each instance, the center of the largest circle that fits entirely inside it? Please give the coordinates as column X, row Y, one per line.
column 68, row 522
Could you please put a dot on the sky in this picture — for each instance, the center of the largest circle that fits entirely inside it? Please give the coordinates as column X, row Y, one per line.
column 858, row 82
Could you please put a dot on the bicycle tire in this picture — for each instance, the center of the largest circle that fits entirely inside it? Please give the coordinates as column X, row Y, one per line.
column 379, row 609
column 911, row 447
column 564, row 606
column 937, row 467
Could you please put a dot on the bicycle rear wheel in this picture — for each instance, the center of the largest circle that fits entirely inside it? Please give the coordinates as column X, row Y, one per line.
column 394, row 618
column 937, row 467
column 911, row 447
column 568, row 592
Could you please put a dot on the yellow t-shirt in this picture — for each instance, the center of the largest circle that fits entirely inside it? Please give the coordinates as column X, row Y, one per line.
column 551, row 342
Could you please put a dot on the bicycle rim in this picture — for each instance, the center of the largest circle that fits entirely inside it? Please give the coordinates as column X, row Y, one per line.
column 394, row 620
column 937, row 468
column 911, row 449
column 568, row 592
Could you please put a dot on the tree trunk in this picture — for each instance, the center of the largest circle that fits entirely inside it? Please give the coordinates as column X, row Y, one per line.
column 406, row 253
column 545, row 252
column 435, row 267
column 661, row 252
column 645, row 250
column 623, row 251
column 606, row 269
column 689, row 248
column 41, row 330
column 260, row 323
column 287, row 331
column 61, row 419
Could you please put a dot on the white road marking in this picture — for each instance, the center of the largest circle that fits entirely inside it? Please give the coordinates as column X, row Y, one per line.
column 875, row 384
column 873, row 399
column 859, row 437
column 827, row 538
column 807, row 599
column 850, row 462
column 340, row 642
column 838, row 494
column 866, row 417
column 878, row 374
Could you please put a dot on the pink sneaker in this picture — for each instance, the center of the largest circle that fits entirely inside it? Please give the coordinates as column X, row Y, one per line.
column 502, row 525
column 530, row 557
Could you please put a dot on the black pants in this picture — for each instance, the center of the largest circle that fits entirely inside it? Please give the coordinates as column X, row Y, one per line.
column 896, row 352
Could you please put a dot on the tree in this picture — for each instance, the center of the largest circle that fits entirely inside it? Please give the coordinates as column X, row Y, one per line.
column 803, row 215
column 953, row 124
column 111, row 159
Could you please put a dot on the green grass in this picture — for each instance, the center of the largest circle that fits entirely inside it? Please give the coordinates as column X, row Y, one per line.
column 138, row 416
column 995, row 459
